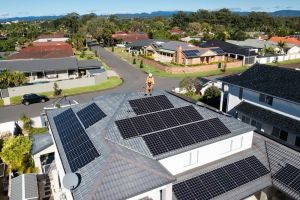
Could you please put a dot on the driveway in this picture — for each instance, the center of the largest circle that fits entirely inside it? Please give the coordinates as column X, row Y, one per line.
column 133, row 82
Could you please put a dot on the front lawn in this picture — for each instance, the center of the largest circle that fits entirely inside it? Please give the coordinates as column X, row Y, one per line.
column 111, row 82
column 35, row 131
column 294, row 61
column 1, row 102
column 156, row 72
column 85, row 55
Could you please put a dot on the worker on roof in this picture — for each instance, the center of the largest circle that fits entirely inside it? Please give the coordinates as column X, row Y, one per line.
column 149, row 84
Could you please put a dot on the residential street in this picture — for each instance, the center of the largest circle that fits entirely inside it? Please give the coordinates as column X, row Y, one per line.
column 133, row 81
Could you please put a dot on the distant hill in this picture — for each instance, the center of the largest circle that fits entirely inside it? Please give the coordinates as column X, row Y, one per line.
column 279, row 13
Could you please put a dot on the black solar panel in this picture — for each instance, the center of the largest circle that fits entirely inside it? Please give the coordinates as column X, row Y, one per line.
column 289, row 176
column 191, row 53
column 187, row 135
column 219, row 181
column 219, row 126
column 77, row 145
column 90, row 115
column 157, row 121
column 150, row 104
column 169, row 140
column 154, row 143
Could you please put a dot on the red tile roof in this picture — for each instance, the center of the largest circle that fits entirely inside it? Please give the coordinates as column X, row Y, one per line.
column 39, row 52
column 129, row 37
column 290, row 40
column 175, row 31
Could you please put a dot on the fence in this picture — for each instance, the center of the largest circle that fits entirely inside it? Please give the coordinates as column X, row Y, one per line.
column 191, row 69
column 65, row 84
column 280, row 58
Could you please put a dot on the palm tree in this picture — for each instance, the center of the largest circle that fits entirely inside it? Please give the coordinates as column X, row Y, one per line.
column 282, row 45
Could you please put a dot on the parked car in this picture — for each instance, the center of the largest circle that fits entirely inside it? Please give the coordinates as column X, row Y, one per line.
column 33, row 98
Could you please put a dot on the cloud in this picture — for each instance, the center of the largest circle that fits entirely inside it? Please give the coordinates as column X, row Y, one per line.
column 257, row 8
column 4, row 14
column 235, row 9
column 92, row 11
column 22, row 13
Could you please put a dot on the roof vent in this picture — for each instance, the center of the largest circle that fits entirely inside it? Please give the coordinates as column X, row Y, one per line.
column 70, row 181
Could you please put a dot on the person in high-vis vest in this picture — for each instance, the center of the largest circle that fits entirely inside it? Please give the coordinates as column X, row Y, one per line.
column 149, row 84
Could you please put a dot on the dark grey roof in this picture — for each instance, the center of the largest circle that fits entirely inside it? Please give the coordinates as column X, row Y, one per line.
column 269, row 117
column 37, row 65
column 275, row 81
column 258, row 150
column 172, row 45
column 96, row 71
column 94, row 63
column 24, row 187
column 228, row 47
column 128, row 159
column 40, row 142
column 141, row 43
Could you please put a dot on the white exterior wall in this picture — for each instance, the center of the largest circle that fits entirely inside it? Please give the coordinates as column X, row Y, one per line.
column 7, row 128
column 52, row 40
column 233, row 97
column 155, row 194
column 197, row 157
column 290, row 56
column 37, row 160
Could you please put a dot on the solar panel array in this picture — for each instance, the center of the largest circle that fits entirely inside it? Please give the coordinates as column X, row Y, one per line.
column 218, row 50
column 90, row 115
column 221, row 180
column 182, row 136
column 289, row 176
column 150, row 104
column 143, row 124
column 191, row 53
column 77, row 146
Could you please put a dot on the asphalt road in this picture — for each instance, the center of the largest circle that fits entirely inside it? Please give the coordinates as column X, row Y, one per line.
column 133, row 81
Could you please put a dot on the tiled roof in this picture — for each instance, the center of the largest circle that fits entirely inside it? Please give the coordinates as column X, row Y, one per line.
column 40, row 142
column 49, row 43
column 129, row 159
column 228, row 47
column 130, row 37
column 53, row 35
column 290, row 40
column 269, row 117
column 275, row 81
column 42, row 52
column 94, row 63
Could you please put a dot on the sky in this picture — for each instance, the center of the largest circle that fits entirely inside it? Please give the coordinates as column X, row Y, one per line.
column 19, row 8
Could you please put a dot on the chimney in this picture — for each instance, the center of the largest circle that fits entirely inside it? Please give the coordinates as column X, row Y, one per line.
column 178, row 56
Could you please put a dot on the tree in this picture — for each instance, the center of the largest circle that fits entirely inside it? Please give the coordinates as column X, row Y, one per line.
column 15, row 152
column 282, row 45
column 188, row 83
column 27, row 123
column 57, row 90
column 239, row 35
column 112, row 49
column 194, row 28
column 77, row 41
column 13, row 79
column 212, row 96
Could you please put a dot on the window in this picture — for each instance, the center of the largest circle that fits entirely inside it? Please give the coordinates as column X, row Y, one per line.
column 241, row 93
column 281, row 134
column 245, row 119
column 266, row 99
column 256, row 124
column 297, row 142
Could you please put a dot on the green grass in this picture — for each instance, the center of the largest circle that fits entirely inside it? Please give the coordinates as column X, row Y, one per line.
column 156, row 72
column 294, row 61
column 1, row 102
column 111, row 82
column 15, row 100
column 35, row 131
column 87, row 56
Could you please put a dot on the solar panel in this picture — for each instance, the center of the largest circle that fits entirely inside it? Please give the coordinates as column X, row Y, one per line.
column 187, row 135
column 191, row 53
column 157, row 121
column 169, row 140
column 219, row 126
column 220, row 181
column 154, row 143
column 90, row 115
column 78, row 147
column 289, row 176
column 150, row 104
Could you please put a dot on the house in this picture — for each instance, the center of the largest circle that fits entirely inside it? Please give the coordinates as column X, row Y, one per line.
column 176, row 31
column 289, row 40
column 44, row 51
column 290, row 52
column 183, row 53
column 266, row 97
column 54, row 37
column 127, row 146
column 128, row 38
column 191, row 38
column 53, row 69
column 246, row 54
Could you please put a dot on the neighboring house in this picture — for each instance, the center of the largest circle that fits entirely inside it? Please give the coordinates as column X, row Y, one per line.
column 127, row 38
column 207, row 82
column 55, row 37
column 191, row 38
column 37, row 70
column 289, row 40
column 183, row 53
column 24, row 187
column 125, row 146
column 266, row 97
column 43, row 52
column 246, row 54
column 290, row 52
column 176, row 31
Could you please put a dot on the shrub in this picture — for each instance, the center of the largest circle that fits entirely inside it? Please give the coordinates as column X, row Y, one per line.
column 212, row 96
column 57, row 90
column 26, row 122
column 189, row 84
column 112, row 49
column 134, row 61
column 142, row 64
column 132, row 53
